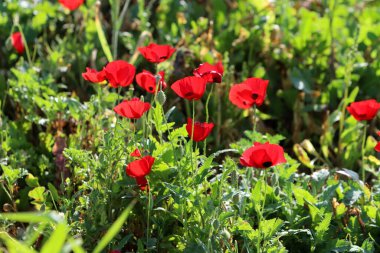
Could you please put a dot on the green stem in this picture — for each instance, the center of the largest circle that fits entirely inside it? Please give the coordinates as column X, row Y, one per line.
column 191, row 138
column 26, row 45
column 115, row 15
column 363, row 151
column 254, row 119
column 148, row 215
column 261, row 214
column 207, row 117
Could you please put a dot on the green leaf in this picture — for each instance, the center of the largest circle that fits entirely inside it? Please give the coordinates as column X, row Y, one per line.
column 102, row 38
column 56, row 241
column 32, row 217
column 13, row 246
column 340, row 210
column 53, row 192
column 270, row 227
column 32, row 181
column 37, row 194
column 115, row 228
column 301, row 194
column 368, row 246
column 323, row 226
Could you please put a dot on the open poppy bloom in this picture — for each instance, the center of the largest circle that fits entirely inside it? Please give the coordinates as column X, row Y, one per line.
column 248, row 93
column 377, row 148
column 147, row 81
column 119, row 73
column 94, row 76
column 201, row 130
column 71, row 4
column 136, row 153
column 139, row 169
column 156, row 53
column 364, row 110
column 132, row 109
column 17, row 42
column 211, row 73
column 262, row 156
column 190, row 88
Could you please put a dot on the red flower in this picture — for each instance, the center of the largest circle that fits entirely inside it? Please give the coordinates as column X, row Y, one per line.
column 201, row 130
column 262, row 156
column 17, row 42
column 377, row 148
column 156, row 53
column 119, row 73
column 136, row 153
column 142, row 183
column 139, row 169
column 132, row 109
column 251, row 92
column 147, row 81
column 191, row 88
column 94, row 76
column 364, row 110
column 211, row 73
column 71, row 4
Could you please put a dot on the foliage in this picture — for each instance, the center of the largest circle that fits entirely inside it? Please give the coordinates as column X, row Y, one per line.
column 64, row 151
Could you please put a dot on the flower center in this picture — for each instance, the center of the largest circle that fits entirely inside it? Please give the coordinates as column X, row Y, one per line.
column 267, row 164
column 255, row 96
column 189, row 94
column 150, row 88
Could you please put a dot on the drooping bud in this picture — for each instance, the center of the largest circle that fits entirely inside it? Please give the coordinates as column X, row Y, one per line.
column 161, row 97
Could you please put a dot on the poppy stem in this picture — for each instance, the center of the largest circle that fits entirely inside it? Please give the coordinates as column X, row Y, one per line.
column 207, row 117
column 261, row 215
column 148, row 215
column 254, row 118
column 191, row 137
column 25, row 44
column 363, row 151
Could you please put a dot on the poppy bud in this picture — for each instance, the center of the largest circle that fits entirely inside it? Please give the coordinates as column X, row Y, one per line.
column 226, row 234
column 161, row 97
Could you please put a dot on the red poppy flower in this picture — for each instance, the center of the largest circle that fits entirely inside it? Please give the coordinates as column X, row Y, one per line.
column 262, row 156
column 142, row 183
column 132, row 109
column 201, row 130
column 191, row 88
column 17, row 42
column 71, row 4
column 156, row 53
column 147, row 81
column 94, row 76
column 211, row 73
column 251, row 92
column 136, row 153
column 119, row 73
column 364, row 110
column 377, row 148
column 139, row 169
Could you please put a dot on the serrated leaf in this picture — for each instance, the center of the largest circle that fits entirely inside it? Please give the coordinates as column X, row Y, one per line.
column 323, row 226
